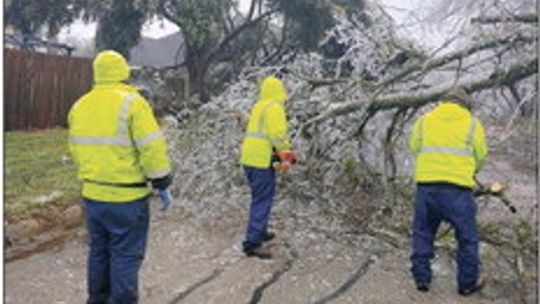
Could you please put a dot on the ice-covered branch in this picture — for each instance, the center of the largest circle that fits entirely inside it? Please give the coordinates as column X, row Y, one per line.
column 529, row 18
column 438, row 62
column 429, row 65
column 514, row 74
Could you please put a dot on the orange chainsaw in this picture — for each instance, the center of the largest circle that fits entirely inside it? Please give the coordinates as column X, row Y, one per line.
column 284, row 160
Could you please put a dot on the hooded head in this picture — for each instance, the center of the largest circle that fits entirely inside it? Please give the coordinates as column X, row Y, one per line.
column 273, row 89
column 110, row 67
column 459, row 96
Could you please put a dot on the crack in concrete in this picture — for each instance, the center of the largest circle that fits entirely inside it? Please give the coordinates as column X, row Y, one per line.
column 258, row 292
column 184, row 294
column 347, row 284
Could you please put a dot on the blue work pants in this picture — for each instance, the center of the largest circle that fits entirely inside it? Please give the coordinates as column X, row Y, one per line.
column 263, row 187
column 454, row 204
column 117, row 237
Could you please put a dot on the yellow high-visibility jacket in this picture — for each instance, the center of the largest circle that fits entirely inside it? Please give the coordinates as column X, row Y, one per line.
column 267, row 127
column 449, row 144
column 114, row 138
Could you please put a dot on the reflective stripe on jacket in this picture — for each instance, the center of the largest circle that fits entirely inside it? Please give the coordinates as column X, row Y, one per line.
column 267, row 127
column 449, row 144
column 116, row 143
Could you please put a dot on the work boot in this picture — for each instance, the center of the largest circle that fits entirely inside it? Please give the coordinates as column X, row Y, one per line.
column 268, row 236
column 480, row 283
column 258, row 252
column 423, row 287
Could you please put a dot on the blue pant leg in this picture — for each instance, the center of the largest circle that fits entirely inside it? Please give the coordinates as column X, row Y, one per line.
column 462, row 216
column 427, row 218
column 128, row 224
column 271, row 181
column 98, row 283
column 263, row 184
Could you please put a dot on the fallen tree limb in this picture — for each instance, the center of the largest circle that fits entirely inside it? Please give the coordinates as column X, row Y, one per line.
column 483, row 190
column 529, row 18
column 497, row 78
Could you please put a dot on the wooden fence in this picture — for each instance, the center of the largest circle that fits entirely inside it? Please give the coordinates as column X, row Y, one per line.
column 39, row 89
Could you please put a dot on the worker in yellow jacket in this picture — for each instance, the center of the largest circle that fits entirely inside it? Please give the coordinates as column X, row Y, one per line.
column 450, row 147
column 266, row 140
column 118, row 147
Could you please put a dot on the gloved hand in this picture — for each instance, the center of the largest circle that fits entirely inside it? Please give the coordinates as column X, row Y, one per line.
column 282, row 166
column 166, row 199
column 161, row 183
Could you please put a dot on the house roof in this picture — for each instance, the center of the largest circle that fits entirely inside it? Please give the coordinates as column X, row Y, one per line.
column 34, row 43
column 158, row 52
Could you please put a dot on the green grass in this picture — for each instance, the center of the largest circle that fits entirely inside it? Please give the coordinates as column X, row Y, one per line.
column 38, row 171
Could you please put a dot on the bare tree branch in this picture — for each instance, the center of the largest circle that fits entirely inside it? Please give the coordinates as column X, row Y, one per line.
column 235, row 32
column 251, row 9
column 281, row 48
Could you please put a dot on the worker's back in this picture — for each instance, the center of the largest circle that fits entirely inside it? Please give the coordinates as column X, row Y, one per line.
column 450, row 146
column 267, row 127
column 114, row 137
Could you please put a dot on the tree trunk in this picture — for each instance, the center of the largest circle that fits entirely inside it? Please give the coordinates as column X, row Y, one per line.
column 197, row 75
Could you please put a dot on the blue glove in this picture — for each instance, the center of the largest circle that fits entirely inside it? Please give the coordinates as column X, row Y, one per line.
column 166, row 199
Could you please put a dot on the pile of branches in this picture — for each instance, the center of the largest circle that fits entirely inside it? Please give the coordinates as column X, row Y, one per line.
column 349, row 116
column 349, row 119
